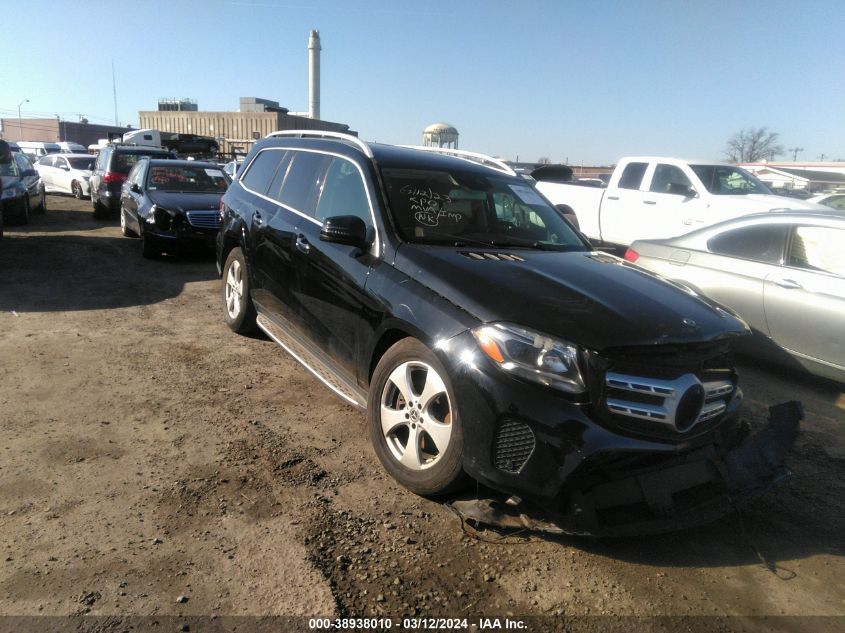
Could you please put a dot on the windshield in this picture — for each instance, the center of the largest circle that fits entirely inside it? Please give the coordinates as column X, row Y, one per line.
column 81, row 163
column 455, row 207
column 192, row 178
column 724, row 180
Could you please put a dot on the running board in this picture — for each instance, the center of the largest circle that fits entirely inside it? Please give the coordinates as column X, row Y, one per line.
column 292, row 344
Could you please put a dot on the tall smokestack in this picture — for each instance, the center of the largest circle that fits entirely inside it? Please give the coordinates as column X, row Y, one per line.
column 314, row 75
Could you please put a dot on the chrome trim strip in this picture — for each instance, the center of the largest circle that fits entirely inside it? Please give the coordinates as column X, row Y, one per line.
column 266, row 329
column 376, row 247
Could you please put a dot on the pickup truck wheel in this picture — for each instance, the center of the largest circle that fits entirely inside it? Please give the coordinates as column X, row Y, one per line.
column 238, row 309
column 413, row 420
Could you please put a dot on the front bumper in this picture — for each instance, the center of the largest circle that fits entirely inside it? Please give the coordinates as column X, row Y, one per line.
column 182, row 234
column 550, row 449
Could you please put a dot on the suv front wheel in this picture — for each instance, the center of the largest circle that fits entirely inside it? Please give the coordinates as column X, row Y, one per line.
column 413, row 418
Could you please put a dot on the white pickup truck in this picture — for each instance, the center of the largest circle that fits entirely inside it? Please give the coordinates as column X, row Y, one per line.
column 650, row 197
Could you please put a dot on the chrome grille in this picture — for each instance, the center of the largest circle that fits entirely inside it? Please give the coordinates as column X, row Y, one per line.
column 680, row 403
column 204, row 219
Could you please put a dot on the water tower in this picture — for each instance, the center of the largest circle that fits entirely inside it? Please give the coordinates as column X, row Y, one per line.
column 440, row 135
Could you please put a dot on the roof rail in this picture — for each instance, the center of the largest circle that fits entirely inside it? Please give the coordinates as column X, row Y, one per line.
column 325, row 134
column 484, row 159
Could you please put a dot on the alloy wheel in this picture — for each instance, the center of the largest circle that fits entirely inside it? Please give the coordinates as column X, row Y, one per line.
column 234, row 289
column 416, row 415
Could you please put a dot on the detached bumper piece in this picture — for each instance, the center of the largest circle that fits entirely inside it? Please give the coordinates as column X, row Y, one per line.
column 696, row 488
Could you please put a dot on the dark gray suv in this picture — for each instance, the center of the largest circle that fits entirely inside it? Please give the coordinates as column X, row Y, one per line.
column 110, row 170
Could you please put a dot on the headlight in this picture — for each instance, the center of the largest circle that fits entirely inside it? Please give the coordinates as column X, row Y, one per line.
column 162, row 218
column 531, row 355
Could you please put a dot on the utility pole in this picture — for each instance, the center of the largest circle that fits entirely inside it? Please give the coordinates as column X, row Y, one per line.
column 795, row 151
column 822, row 157
column 114, row 90
column 20, row 126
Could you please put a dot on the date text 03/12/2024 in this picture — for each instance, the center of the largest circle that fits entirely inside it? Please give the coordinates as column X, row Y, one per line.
column 417, row 624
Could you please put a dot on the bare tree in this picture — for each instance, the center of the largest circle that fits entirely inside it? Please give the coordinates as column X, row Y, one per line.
column 753, row 144
column 544, row 160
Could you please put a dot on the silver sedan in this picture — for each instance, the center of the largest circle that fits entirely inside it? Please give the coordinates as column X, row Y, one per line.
column 784, row 273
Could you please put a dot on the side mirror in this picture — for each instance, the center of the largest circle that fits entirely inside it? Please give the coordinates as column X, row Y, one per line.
column 135, row 188
column 65, row 168
column 569, row 214
column 345, row 229
column 681, row 190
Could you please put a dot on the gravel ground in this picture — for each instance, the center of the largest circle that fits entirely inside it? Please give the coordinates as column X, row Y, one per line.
column 154, row 463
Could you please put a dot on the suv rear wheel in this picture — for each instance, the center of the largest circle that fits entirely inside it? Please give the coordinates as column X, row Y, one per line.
column 413, row 419
column 238, row 309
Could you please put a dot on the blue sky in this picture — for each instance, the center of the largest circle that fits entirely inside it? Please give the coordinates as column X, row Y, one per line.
column 587, row 81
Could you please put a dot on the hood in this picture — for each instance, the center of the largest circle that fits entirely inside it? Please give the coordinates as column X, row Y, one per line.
column 766, row 202
column 588, row 298
column 178, row 201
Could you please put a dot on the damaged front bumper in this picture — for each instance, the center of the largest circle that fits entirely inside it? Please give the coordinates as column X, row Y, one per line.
column 696, row 488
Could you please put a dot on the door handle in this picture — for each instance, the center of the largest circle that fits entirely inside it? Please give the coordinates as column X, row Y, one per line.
column 302, row 244
column 613, row 197
column 789, row 284
column 649, row 202
column 688, row 221
column 257, row 219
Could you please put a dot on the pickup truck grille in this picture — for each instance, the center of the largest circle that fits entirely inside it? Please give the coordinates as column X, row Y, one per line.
column 667, row 391
column 204, row 219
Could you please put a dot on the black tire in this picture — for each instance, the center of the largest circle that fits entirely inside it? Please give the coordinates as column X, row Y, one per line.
column 149, row 248
column 445, row 472
column 42, row 204
column 23, row 215
column 124, row 228
column 100, row 210
column 240, row 316
column 76, row 190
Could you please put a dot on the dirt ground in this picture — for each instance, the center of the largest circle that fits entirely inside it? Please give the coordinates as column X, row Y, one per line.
column 149, row 454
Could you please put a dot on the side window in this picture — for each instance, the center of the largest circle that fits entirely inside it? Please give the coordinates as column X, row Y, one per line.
column 836, row 202
column 261, row 170
column 759, row 243
column 632, row 176
column 305, row 177
column 22, row 161
column 275, row 190
column 343, row 193
column 103, row 159
column 61, row 163
column 818, row 248
column 670, row 179
column 48, row 161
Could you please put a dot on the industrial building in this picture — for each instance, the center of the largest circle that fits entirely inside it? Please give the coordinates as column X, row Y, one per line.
column 55, row 130
column 236, row 130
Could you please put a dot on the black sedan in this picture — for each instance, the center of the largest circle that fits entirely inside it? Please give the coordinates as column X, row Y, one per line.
column 172, row 204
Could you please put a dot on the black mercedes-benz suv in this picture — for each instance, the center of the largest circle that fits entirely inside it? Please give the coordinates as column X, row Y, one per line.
column 483, row 335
